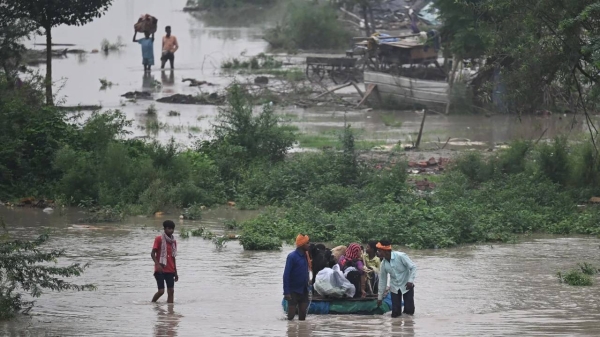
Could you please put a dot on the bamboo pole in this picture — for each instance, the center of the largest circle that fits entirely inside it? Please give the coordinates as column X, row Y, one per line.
column 421, row 129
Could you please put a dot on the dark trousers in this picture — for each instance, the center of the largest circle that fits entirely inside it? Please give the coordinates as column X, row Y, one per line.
column 354, row 278
column 409, row 303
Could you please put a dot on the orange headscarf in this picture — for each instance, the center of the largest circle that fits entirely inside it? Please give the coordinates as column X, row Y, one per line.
column 301, row 240
column 382, row 247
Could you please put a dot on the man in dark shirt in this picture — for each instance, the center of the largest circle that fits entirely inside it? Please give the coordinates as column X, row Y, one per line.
column 296, row 277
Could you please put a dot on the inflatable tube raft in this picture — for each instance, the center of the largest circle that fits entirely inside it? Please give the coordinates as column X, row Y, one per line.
column 341, row 306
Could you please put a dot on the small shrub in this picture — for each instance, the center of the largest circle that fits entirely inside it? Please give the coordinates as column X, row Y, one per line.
column 104, row 84
column 198, row 232
column 193, row 212
column 184, row 233
column 107, row 46
column 151, row 110
column 231, row 224
column 174, row 113
column 208, row 235
column 575, row 278
column 220, row 242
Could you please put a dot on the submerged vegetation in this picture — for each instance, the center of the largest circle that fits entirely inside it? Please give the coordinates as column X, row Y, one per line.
column 579, row 277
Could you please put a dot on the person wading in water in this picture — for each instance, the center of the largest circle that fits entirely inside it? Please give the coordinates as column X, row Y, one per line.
column 402, row 273
column 163, row 254
column 296, row 278
column 147, row 50
column 169, row 47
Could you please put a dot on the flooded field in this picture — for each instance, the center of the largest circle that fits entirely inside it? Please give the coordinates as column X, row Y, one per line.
column 487, row 290
column 203, row 48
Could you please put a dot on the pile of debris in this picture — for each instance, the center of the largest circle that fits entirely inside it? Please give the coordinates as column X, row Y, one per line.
column 430, row 166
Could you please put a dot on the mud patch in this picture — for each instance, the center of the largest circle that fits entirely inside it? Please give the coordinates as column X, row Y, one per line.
column 208, row 99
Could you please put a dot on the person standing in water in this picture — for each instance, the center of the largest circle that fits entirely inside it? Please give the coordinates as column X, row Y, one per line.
column 402, row 272
column 169, row 47
column 147, row 50
column 296, row 278
column 163, row 254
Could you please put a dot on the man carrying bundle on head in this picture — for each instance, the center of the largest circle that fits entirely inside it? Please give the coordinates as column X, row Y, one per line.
column 296, row 277
column 402, row 272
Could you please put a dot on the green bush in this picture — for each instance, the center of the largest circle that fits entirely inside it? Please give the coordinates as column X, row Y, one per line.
column 575, row 278
column 31, row 133
column 554, row 161
column 333, row 198
column 309, row 26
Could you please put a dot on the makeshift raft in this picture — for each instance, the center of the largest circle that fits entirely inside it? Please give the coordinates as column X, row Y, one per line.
column 344, row 306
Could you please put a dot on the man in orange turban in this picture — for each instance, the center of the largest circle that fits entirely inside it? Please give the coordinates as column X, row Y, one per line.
column 296, row 278
column 402, row 273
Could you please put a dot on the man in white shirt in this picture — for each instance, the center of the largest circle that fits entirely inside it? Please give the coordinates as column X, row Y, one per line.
column 402, row 272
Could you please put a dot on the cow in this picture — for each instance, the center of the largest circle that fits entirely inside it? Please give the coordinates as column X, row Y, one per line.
column 321, row 258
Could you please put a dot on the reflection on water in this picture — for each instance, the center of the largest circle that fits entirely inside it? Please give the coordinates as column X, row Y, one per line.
column 147, row 81
column 167, row 81
column 499, row 290
column 167, row 321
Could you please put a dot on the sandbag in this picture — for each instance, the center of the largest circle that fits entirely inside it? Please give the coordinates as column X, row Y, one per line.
column 146, row 23
column 331, row 282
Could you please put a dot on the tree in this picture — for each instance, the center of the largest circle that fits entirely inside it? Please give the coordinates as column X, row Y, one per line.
column 47, row 14
column 26, row 268
column 12, row 32
column 547, row 51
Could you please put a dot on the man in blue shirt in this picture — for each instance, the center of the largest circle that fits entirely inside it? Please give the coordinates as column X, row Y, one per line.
column 402, row 272
column 296, row 277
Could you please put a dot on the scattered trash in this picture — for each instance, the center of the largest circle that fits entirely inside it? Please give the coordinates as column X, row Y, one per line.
column 48, row 210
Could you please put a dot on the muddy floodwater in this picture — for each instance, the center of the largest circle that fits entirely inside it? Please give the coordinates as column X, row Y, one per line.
column 203, row 46
column 485, row 290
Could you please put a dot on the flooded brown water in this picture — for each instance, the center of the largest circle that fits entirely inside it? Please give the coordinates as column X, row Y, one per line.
column 486, row 290
column 499, row 290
